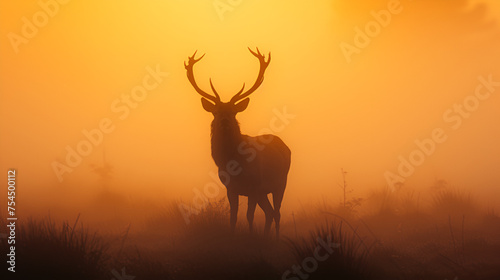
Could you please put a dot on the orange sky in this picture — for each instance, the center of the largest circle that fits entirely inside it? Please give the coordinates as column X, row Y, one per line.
column 359, row 115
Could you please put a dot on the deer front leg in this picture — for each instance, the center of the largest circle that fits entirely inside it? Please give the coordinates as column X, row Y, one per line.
column 233, row 206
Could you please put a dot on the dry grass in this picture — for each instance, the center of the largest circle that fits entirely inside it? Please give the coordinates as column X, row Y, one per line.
column 348, row 261
column 46, row 250
column 392, row 242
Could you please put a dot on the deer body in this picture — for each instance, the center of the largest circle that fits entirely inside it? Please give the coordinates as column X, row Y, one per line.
column 253, row 169
column 248, row 166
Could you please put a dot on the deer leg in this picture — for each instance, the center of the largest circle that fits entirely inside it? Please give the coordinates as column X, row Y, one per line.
column 277, row 198
column 252, row 203
column 233, row 206
column 268, row 211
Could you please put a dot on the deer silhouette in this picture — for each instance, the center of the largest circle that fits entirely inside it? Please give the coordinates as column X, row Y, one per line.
column 248, row 166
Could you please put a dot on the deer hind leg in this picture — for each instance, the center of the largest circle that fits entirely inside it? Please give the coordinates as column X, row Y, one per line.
column 277, row 198
column 233, row 206
column 252, row 203
column 268, row 211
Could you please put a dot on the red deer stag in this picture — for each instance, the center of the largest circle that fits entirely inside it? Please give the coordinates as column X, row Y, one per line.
column 248, row 166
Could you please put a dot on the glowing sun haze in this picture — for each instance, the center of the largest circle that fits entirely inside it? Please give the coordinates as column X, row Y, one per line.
column 360, row 112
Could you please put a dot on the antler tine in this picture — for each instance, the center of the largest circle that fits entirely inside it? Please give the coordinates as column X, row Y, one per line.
column 190, row 76
column 213, row 89
column 241, row 90
column 257, row 54
column 260, row 78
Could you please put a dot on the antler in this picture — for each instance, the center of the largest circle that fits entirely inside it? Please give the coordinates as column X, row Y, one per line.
column 260, row 78
column 190, row 76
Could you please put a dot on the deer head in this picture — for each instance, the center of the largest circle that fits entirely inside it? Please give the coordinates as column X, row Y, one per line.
column 225, row 112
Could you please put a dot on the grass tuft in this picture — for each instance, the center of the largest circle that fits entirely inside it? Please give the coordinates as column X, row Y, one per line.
column 45, row 250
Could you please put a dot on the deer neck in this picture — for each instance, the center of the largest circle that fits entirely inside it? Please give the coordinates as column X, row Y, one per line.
column 225, row 143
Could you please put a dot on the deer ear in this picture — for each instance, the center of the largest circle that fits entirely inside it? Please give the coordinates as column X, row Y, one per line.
column 207, row 105
column 241, row 106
